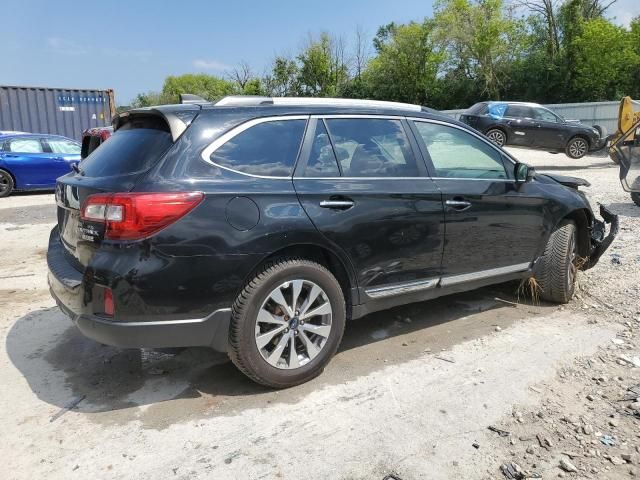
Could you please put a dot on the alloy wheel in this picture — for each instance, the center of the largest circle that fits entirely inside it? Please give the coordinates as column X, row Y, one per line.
column 578, row 148
column 497, row 137
column 5, row 182
column 293, row 324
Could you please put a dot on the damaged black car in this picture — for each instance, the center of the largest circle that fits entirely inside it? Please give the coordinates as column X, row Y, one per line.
column 258, row 226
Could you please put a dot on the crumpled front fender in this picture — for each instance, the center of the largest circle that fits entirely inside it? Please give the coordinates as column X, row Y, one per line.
column 600, row 241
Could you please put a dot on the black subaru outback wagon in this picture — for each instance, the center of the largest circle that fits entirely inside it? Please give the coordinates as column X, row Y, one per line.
column 258, row 226
column 533, row 126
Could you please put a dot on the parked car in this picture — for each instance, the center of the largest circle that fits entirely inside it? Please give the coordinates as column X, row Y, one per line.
column 92, row 138
column 33, row 161
column 534, row 126
column 258, row 226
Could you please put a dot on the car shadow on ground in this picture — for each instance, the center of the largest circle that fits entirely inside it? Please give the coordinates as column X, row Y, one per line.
column 61, row 365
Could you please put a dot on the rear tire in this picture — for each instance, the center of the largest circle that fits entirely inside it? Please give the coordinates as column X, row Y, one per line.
column 497, row 136
column 557, row 272
column 577, row 148
column 6, row 184
column 636, row 198
column 256, row 315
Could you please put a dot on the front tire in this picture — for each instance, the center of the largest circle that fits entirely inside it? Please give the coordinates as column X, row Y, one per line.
column 577, row 148
column 6, row 184
column 497, row 136
column 287, row 323
column 635, row 196
column 558, row 267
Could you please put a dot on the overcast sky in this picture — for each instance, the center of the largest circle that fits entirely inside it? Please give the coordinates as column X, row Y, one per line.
column 132, row 46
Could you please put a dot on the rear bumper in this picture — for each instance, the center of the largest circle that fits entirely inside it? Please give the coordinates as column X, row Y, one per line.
column 67, row 287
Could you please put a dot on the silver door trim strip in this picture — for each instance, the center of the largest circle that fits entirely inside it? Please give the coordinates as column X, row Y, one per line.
column 492, row 272
column 415, row 286
column 399, row 289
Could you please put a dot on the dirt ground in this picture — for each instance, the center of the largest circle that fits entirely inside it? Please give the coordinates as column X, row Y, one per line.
column 411, row 392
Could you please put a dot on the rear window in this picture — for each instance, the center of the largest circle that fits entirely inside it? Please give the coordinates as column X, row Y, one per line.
column 478, row 109
column 266, row 149
column 129, row 150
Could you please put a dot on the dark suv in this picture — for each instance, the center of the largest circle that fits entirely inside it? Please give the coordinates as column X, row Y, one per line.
column 532, row 125
column 258, row 226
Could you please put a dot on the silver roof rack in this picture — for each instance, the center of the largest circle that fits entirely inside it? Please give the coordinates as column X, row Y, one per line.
column 249, row 100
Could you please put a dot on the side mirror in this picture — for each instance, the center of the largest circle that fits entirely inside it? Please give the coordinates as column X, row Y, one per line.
column 524, row 172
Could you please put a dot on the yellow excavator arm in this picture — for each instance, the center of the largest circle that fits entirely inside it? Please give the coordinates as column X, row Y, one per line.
column 627, row 118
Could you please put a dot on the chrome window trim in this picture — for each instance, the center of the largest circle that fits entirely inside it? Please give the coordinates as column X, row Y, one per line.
column 399, row 289
column 237, row 130
column 482, row 274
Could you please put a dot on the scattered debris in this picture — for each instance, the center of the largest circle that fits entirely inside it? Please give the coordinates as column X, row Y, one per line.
column 69, row 406
column 537, row 390
column 544, row 442
column 498, row 328
column 513, row 304
column 445, row 359
column 156, row 371
column 567, row 466
column 512, row 470
column 635, row 361
column 475, row 445
column 502, row 433
column 608, row 440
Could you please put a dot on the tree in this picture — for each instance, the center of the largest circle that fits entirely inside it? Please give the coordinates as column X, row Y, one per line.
column 206, row 86
column 605, row 57
column 150, row 99
column 282, row 80
column 483, row 36
column 323, row 68
column 407, row 64
column 241, row 75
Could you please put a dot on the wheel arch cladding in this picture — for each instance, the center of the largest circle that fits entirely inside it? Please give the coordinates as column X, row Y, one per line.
column 583, row 219
column 324, row 256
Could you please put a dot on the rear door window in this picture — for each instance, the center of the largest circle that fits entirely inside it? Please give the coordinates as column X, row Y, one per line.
column 130, row 150
column 368, row 147
column 65, row 147
column 267, row 149
column 519, row 111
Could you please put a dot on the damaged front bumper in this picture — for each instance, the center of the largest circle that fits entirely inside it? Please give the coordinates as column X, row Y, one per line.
column 600, row 241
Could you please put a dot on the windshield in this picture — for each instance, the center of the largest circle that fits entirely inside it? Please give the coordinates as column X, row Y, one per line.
column 127, row 151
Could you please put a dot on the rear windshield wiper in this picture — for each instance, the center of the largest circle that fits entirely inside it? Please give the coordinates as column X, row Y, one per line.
column 76, row 168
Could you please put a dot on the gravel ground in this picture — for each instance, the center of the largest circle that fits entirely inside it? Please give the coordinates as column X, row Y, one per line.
column 411, row 391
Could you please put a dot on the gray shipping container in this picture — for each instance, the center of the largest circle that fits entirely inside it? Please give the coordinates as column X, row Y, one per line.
column 59, row 111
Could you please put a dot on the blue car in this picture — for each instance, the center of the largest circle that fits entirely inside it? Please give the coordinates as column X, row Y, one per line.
column 30, row 161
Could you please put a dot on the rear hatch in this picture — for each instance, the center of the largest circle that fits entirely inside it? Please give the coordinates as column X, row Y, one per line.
column 141, row 139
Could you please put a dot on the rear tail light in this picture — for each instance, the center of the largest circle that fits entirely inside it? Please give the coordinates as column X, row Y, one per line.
column 108, row 302
column 134, row 216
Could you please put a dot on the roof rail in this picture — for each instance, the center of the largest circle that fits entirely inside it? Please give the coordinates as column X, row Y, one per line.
column 249, row 100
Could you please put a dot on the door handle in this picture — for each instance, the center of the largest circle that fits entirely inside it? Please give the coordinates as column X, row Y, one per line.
column 337, row 204
column 458, row 205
